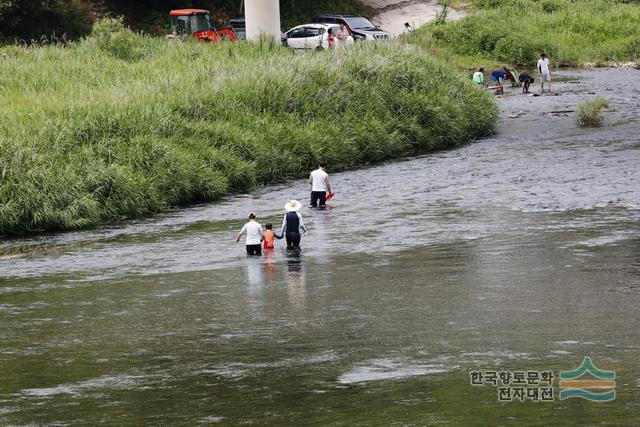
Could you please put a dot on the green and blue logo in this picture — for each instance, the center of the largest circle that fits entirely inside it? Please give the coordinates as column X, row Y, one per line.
column 598, row 386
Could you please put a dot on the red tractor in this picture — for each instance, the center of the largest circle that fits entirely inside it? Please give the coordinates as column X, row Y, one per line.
column 197, row 22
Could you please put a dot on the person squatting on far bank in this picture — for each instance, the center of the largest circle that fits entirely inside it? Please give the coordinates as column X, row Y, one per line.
column 525, row 80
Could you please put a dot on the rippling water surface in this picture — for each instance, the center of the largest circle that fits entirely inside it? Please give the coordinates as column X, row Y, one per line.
column 520, row 251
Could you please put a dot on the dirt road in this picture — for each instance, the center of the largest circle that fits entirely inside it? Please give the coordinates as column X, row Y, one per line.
column 392, row 14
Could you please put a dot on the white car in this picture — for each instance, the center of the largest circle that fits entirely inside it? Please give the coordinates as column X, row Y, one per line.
column 313, row 36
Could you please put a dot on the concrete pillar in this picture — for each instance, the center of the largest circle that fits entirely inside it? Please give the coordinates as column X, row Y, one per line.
column 262, row 19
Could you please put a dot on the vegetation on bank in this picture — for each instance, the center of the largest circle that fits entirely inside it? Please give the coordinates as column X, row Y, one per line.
column 590, row 112
column 571, row 32
column 27, row 20
column 123, row 125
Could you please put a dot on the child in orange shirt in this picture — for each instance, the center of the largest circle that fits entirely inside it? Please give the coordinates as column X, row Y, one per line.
column 269, row 237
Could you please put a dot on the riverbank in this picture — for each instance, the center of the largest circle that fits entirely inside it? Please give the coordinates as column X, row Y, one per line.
column 124, row 125
column 572, row 33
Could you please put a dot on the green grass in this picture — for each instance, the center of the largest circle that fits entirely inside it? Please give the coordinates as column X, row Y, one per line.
column 122, row 125
column 571, row 32
column 590, row 112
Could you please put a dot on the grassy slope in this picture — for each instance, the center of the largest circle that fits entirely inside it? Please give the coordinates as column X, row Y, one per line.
column 571, row 32
column 122, row 125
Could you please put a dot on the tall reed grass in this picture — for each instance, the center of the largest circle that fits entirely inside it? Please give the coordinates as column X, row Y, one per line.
column 570, row 32
column 590, row 112
column 121, row 124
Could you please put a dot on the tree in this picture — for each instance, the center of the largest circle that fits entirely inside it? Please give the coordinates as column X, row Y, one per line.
column 29, row 20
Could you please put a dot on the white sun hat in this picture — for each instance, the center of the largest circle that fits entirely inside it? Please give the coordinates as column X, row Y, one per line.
column 292, row 206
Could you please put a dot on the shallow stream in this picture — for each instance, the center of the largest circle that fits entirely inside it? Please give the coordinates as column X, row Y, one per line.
column 517, row 252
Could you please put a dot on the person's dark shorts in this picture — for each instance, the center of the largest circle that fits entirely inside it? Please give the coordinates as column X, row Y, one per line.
column 525, row 79
column 254, row 249
column 293, row 239
column 318, row 196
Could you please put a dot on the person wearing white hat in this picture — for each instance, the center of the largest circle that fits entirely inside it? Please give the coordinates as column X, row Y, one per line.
column 292, row 224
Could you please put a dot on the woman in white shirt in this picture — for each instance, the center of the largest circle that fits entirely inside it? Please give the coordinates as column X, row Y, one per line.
column 254, row 233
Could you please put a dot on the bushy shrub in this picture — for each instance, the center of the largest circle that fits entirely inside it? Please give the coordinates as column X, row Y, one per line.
column 590, row 112
column 488, row 4
column 113, row 37
column 632, row 49
column 518, row 51
column 487, row 42
column 516, row 31
column 550, row 6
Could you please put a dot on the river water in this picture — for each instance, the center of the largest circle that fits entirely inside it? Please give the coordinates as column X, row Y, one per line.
column 518, row 252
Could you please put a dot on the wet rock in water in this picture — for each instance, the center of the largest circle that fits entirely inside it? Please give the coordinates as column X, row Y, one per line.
column 559, row 112
column 516, row 115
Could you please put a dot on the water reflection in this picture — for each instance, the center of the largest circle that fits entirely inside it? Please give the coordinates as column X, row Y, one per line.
column 269, row 266
column 321, row 233
column 296, row 279
column 255, row 284
column 271, row 269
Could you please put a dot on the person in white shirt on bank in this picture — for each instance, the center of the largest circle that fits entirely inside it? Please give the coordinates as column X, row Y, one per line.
column 254, row 233
column 320, row 186
column 545, row 73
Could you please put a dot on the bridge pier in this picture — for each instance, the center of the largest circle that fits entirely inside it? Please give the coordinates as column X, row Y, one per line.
column 262, row 19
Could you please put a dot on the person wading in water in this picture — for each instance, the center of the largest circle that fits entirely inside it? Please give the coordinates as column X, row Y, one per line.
column 292, row 224
column 320, row 186
column 254, row 233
